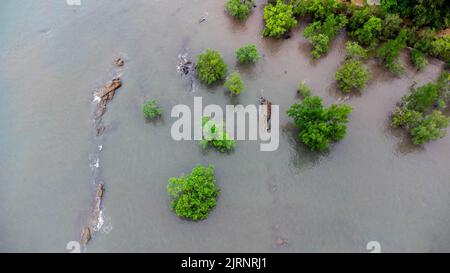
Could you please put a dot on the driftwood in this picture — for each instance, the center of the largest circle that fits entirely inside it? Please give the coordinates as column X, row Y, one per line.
column 267, row 113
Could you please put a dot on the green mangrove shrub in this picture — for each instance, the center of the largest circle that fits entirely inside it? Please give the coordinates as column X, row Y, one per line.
column 319, row 126
column 420, row 113
column 369, row 33
column 194, row 195
column 320, row 34
column 215, row 136
column 151, row 110
column 389, row 52
column 234, row 84
column 247, row 54
column 418, row 59
column 279, row 19
column 240, row 9
column 304, row 90
column 211, row 67
column 355, row 51
column 352, row 76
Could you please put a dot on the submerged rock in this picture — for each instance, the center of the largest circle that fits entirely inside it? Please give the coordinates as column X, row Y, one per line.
column 86, row 235
column 281, row 242
column 119, row 62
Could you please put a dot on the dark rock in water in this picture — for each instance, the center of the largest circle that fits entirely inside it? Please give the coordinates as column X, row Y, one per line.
column 86, row 235
column 100, row 190
column 100, row 129
column 119, row 62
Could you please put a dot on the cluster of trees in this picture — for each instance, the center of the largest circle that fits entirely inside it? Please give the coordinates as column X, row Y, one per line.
column 212, row 68
column 319, row 126
column 194, row 195
column 321, row 33
column 392, row 26
column 420, row 113
column 432, row 13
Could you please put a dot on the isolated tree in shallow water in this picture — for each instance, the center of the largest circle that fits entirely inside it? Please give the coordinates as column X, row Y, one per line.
column 318, row 125
column 247, row 54
column 234, row 84
column 151, row 109
column 211, row 67
column 215, row 136
column 240, row 9
column 195, row 194
column 352, row 74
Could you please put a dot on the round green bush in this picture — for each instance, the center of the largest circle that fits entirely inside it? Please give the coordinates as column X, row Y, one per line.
column 211, row 67
column 352, row 75
column 151, row 109
column 194, row 195
column 279, row 19
column 234, row 84
column 247, row 54
column 239, row 9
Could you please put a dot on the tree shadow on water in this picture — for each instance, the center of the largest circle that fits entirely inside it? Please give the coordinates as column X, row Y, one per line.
column 301, row 157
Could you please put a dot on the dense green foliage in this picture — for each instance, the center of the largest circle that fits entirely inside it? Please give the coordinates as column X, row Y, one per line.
column 369, row 33
column 151, row 109
column 431, row 127
column 433, row 13
column 420, row 112
column 304, row 90
column 389, row 52
column 418, row 59
column 279, row 19
column 211, row 67
column 355, row 51
column 234, row 84
column 391, row 26
column 320, row 34
column 352, row 76
column 239, row 9
column 195, row 194
column 247, row 54
column 319, row 9
column 318, row 125
column 440, row 48
column 216, row 136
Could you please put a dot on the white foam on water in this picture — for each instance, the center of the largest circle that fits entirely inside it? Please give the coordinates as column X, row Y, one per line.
column 96, row 99
column 100, row 221
column 95, row 165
